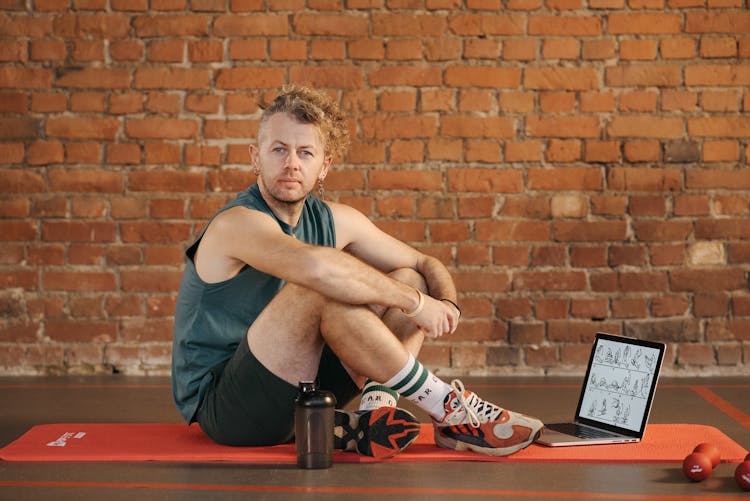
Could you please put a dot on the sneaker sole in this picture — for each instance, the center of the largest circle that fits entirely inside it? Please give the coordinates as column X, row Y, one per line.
column 379, row 433
column 457, row 445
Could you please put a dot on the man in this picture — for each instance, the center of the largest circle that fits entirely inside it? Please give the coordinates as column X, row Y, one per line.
column 281, row 287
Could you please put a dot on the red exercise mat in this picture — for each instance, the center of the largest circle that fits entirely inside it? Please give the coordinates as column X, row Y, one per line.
column 181, row 443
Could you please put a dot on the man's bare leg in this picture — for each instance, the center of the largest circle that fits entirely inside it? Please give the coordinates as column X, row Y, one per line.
column 287, row 338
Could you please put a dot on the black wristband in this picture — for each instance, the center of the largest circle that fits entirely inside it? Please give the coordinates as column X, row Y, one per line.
column 454, row 304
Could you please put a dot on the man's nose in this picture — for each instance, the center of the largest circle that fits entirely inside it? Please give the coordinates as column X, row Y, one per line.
column 292, row 160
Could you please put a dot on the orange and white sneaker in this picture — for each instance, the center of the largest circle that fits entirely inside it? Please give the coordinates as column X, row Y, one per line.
column 472, row 424
column 379, row 433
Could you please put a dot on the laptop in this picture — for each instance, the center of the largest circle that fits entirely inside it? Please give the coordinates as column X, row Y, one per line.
column 616, row 396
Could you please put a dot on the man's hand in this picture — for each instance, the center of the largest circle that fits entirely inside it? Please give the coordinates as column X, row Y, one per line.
column 437, row 317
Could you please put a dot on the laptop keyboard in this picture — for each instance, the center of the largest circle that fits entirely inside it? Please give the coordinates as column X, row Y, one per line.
column 580, row 431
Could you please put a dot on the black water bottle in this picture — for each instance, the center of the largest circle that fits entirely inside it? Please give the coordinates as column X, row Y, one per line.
column 313, row 426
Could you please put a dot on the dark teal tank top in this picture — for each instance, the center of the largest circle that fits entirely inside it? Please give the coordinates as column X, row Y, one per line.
column 211, row 319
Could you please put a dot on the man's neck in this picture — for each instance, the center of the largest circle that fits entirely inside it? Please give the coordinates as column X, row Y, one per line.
column 288, row 212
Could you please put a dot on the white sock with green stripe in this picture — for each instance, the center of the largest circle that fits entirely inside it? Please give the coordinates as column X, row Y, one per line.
column 420, row 386
column 375, row 395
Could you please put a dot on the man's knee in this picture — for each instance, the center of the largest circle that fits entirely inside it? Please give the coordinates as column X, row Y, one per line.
column 410, row 277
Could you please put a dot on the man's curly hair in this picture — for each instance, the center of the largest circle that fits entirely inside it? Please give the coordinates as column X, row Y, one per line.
column 311, row 106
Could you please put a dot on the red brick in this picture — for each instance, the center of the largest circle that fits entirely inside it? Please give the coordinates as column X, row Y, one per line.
column 161, row 128
column 664, row 255
column 732, row 22
column 328, row 49
column 730, row 204
column 642, row 75
column 627, row 307
column 150, row 281
column 162, row 153
column 595, row 308
column 549, row 280
column 254, row 24
column 49, row 207
column 581, row 126
column 587, row 231
column 19, row 128
column 563, row 151
column 725, row 100
column 83, row 128
column 13, row 102
column 524, row 151
column 718, row 75
column 351, row 25
column 738, row 179
column 645, row 126
column 713, row 280
column 126, row 50
column 288, row 50
column 476, row 48
column 346, row 77
column 477, row 127
column 79, row 281
column 559, row 78
column 398, row 24
column 81, row 331
column 485, row 180
column 85, row 180
column 519, row 49
column 176, row 25
column 565, row 25
column 167, row 181
column 642, row 151
column 676, row 100
column 482, row 76
column 527, row 230
column 166, row 51
column 670, row 306
column 602, row 151
column 711, row 305
column 719, row 127
column 88, row 51
column 486, row 24
column 696, row 354
column 644, row 179
column 172, row 78
column 45, row 153
column 400, row 180
column 388, row 127
column 95, row 78
column 677, row 47
column 70, row 231
column 598, row 49
column 565, row 178
column 560, row 48
column 734, row 228
column 644, row 24
column 250, row 78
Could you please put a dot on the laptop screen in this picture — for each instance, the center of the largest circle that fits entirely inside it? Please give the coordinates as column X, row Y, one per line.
column 620, row 383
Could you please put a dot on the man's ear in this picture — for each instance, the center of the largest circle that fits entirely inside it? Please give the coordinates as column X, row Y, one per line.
column 324, row 171
column 253, row 151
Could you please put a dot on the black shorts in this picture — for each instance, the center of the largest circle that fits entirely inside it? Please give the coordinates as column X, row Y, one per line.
column 248, row 405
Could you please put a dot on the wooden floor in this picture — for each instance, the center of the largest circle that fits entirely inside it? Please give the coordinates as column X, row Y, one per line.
column 720, row 402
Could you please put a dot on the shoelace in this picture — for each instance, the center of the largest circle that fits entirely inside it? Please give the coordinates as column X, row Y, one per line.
column 478, row 410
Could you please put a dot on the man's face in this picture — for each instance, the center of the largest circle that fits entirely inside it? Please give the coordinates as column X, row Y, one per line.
column 289, row 158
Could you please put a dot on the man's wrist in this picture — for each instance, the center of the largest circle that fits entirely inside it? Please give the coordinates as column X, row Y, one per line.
column 452, row 303
column 419, row 307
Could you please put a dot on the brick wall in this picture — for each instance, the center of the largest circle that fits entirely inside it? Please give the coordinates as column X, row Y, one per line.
column 580, row 165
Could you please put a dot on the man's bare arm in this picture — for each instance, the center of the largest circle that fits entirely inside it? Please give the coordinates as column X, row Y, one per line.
column 242, row 236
